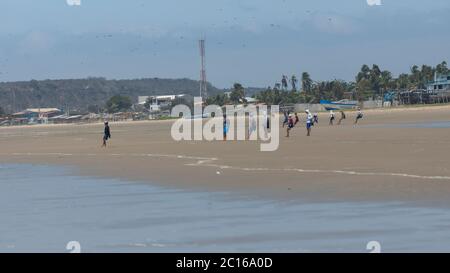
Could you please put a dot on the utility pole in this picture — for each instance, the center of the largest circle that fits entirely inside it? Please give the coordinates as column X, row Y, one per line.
column 14, row 101
column 203, row 82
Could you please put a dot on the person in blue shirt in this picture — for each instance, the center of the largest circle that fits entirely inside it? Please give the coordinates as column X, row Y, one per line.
column 226, row 127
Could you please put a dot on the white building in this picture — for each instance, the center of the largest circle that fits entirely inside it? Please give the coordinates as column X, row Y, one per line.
column 159, row 100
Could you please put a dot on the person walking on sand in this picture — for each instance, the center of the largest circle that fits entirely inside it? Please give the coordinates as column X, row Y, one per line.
column 359, row 115
column 286, row 118
column 225, row 127
column 332, row 117
column 252, row 125
column 266, row 123
column 107, row 134
column 290, row 125
column 309, row 122
column 297, row 119
column 315, row 119
column 342, row 117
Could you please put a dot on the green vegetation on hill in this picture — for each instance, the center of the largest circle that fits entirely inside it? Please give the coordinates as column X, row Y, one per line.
column 80, row 94
column 236, row 96
column 92, row 94
column 118, row 103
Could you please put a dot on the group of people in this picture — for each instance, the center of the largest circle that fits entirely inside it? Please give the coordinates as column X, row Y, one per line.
column 332, row 117
column 252, row 126
column 290, row 121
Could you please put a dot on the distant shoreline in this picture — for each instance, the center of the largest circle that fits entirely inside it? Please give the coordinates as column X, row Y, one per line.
column 371, row 110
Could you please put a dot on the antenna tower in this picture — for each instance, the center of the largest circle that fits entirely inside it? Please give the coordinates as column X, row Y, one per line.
column 203, row 86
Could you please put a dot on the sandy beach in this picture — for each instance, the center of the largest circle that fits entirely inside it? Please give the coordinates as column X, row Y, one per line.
column 377, row 160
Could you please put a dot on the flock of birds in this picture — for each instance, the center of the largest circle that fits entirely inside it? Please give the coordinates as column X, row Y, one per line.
column 143, row 43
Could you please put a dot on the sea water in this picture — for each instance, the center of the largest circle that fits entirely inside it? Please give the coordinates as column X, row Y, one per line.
column 43, row 208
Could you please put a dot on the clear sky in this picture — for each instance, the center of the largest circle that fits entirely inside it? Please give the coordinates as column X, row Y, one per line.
column 252, row 42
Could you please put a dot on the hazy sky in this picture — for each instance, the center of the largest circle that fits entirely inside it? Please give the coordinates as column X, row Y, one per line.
column 249, row 41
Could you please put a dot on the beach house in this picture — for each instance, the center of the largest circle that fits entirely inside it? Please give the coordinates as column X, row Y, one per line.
column 440, row 84
column 439, row 89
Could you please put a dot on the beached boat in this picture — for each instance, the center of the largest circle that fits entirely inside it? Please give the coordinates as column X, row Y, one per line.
column 339, row 105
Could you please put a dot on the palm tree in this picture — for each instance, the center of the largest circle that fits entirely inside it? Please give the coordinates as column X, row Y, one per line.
column 375, row 74
column 415, row 78
column 385, row 81
column 307, row 83
column 284, row 82
column 294, row 83
column 266, row 96
column 364, row 73
column 402, row 81
column 238, row 94
column 363, row 89
column 427, row 73
column 442, row 69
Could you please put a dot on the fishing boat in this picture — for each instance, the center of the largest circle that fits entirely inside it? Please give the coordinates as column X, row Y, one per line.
column 339, row 105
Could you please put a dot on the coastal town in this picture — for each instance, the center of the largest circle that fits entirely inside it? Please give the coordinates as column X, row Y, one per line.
column 436, row 91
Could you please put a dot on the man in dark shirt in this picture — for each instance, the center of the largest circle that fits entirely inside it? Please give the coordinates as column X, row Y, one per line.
column 107, row 134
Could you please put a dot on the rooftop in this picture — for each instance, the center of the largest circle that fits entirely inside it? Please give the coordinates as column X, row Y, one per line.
column 37, row 111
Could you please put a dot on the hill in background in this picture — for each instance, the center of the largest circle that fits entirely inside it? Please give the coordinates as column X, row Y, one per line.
column 78, row 95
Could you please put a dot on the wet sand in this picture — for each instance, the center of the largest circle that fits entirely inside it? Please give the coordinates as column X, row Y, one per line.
column 45, row 207
column 340, row 163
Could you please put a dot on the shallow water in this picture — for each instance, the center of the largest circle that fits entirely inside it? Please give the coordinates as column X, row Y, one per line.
column 432, row 124
column 42, row 208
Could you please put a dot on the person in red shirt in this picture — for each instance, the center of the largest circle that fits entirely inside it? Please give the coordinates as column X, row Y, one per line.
column 290, row 125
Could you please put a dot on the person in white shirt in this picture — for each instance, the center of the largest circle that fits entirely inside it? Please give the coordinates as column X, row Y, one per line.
column 309, row 122
column 252, row 125
column 266, row 123
column 331, row 117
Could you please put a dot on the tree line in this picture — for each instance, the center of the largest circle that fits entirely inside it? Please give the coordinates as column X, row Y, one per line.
column 101, row 95
column 370, row 83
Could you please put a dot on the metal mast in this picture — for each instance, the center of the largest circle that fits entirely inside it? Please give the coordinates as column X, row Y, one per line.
column 203, row 86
